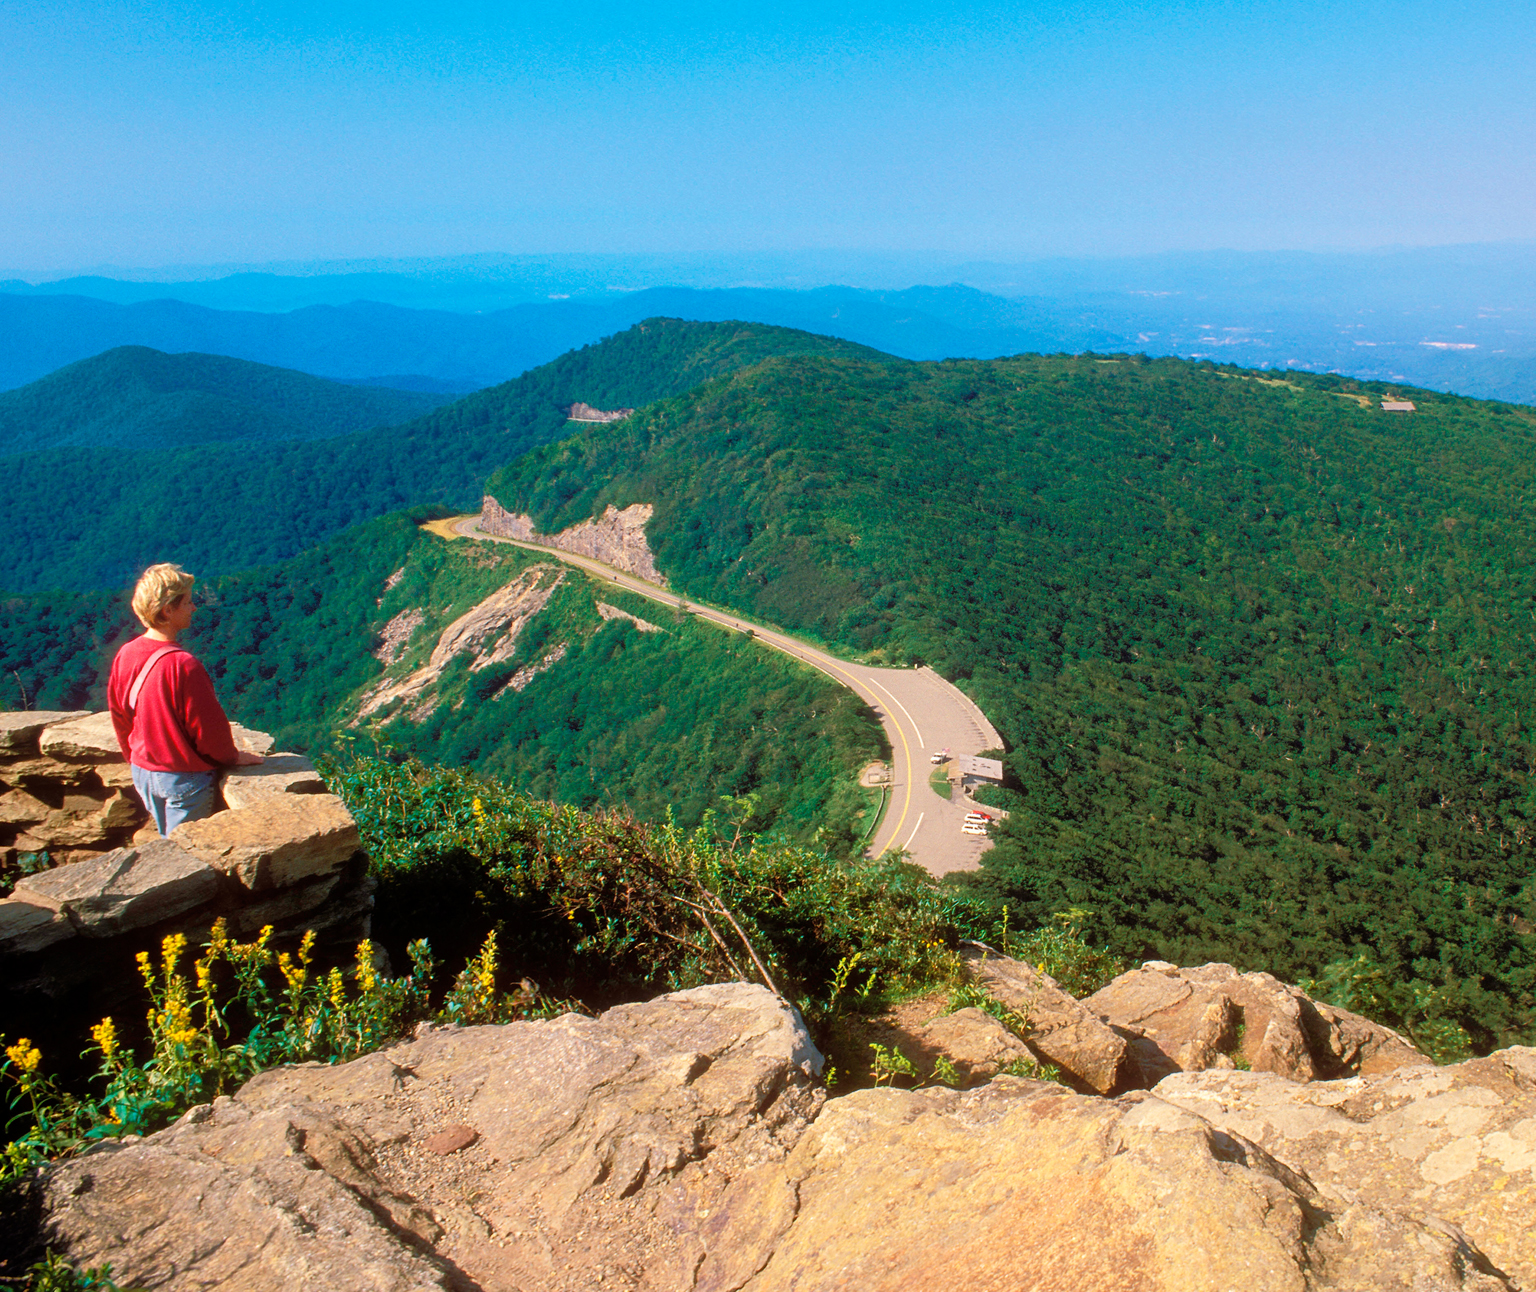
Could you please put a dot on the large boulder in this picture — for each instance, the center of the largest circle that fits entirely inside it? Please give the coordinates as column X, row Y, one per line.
column 1188, row 1020
column 1089, row 1053
column 1019, row 1184
column 592, row 1141
column 1456, row 1143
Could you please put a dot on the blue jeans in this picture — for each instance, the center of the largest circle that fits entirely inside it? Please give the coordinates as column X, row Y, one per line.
column 174, row 797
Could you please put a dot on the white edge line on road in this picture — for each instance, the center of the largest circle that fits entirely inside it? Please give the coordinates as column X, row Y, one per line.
column 908, row 845
column 921, row 743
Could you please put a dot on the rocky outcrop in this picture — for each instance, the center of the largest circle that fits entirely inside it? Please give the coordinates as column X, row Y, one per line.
column 284, row 853
column 596, row 1143
column 487, row 633
column 1456, row 1144
column 613, row 612
column 682, row 1144
column 1188, row 1020
column 579, row 412
column 616, row 538
column 396, row 635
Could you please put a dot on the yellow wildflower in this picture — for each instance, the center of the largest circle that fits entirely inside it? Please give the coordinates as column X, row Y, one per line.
column 105, row 1036
column 145, row 970
column 367, row 976
column 338, row 992
column 171, row 948
column 292, row 973
column 24, row 1055
column 479, row 810
column 176, row 1023
column 218, row 939
column 306, row 946
column 204, row 971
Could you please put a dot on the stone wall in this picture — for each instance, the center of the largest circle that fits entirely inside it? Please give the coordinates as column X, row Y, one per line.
column 102, row 884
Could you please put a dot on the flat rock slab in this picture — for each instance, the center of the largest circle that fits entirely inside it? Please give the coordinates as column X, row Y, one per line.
column 26, row 928
column 275, row 842
column 91, row 739
column 130, row 888
column 279, row 774
column 1061, row 1029
column 19, row 731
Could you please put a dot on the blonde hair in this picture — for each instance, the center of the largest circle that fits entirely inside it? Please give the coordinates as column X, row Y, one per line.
column 159, row 588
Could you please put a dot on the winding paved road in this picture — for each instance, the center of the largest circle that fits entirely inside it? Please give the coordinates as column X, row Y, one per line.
column 920, row 711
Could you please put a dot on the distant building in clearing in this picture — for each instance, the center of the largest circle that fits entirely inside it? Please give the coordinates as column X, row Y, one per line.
column 579, row 412
column 1397, row 406
column 974, row 771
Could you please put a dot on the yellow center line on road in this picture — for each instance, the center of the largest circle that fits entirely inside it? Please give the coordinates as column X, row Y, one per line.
column 469, row 527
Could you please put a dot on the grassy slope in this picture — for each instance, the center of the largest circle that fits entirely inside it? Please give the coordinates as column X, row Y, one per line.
column 137, row 398
column 1257, row 649
column 655, row 721
column 88, row 518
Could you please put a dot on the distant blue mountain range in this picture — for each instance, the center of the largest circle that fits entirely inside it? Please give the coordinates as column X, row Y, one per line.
column 1458, row 319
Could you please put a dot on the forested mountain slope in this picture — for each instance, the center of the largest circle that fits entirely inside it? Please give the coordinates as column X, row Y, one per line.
column 581, row 705
column 137, row 398
column 83, row 518
column 1263, row 653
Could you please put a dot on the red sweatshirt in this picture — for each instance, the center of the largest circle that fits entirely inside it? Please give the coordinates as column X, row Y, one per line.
column 179, row 725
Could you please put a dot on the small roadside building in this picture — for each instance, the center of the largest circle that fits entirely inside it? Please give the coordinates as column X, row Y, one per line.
column 1397, row 406
column 972, row 771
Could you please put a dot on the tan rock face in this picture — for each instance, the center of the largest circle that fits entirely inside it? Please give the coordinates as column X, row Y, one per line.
column 487, row 633
column 616, row 538
column 1457, row 1143
column 321, row 1178
column 681, row 1144
column 1062, row 1031
column 276, row 842
column 19, row 732
column 1191, row 1019
column 17, row 807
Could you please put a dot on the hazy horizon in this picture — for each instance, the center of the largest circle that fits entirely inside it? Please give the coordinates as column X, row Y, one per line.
column 269, row 132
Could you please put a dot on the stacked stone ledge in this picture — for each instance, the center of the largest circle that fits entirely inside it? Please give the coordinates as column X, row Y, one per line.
column 284, row 852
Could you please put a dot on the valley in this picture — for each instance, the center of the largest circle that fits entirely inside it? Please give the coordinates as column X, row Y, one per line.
column 906, row 701
column 1251, row 648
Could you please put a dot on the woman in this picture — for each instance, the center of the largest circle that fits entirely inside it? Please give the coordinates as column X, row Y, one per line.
column 169, row 723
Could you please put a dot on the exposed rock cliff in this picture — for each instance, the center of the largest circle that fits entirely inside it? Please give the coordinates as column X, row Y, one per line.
column 683, row 1144
column 616, row 538
column 487, row 633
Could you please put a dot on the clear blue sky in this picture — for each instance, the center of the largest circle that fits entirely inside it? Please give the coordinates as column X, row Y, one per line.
column 153, row 132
